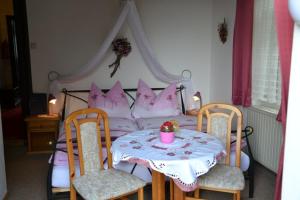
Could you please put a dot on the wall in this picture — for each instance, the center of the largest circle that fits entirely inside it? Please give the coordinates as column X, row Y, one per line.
column 3, row 188
column 291, row 174
column 65, row 35
column 221, row 59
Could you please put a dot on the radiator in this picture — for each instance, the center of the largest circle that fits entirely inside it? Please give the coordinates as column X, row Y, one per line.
column 266, row 139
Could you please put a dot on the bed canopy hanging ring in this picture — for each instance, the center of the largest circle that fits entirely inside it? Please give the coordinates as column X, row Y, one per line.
column 53, row 75
column 186, row 74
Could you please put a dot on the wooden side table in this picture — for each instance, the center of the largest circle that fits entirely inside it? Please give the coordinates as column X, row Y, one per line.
column 42, row 131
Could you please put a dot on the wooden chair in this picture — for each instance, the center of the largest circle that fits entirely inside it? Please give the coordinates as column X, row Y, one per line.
column 94, row 181
column 222, row 177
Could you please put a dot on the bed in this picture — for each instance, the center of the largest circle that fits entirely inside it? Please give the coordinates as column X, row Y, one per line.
column 58, row 173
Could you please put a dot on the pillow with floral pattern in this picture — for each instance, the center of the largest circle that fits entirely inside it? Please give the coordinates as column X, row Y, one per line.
column 148, row 104
column 114, row 102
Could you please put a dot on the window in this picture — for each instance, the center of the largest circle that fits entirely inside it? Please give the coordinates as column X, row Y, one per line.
column 266, row 83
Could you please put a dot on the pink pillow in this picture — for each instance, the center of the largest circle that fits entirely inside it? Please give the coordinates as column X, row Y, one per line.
column 114, row 102
column 148, row 104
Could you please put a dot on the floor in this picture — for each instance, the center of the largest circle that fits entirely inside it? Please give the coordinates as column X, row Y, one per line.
column 26, row 179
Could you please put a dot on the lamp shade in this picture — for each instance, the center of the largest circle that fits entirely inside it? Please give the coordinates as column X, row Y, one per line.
column 197, row 97
column 51, row 99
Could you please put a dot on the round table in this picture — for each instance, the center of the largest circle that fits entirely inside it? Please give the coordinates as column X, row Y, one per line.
column 191, row 154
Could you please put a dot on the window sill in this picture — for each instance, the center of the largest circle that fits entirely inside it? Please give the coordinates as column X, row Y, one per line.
column 264, row 110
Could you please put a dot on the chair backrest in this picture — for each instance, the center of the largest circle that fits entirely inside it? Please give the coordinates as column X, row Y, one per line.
column 220, row 119
column 87, row 136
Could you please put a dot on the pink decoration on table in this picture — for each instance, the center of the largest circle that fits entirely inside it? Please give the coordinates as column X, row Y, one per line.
column 148, row 104
column 158, row 147
column 114, row 102
column 151, row 139
column 167, row 131
column 167, row 137
column 167, row 126
column 186, row 145
column 136, row 147
column 178, row 137
column 171, row 154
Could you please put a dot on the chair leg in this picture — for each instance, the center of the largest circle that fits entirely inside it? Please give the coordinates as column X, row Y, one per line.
column 141, row 194
column 72, row 193
column 197, row 193
column 251, row 178
column 252, row 165
column 171, row 189
column 237, row 196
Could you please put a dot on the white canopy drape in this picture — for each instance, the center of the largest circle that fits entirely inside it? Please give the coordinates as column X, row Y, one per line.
column 129, row 13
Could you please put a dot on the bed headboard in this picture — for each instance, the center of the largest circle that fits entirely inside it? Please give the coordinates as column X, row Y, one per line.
column 79, row 97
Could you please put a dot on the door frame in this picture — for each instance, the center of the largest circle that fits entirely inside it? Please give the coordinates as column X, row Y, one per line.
column 23, row 53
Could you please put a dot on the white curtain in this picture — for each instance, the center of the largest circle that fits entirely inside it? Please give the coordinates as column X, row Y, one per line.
column 129, row 13
column 266, row 85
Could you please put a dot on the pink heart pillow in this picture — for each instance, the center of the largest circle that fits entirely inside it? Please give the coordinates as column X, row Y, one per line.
column 148, row 104
column 114, row 102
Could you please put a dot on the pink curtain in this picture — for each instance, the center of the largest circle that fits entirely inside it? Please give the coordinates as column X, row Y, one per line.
column 284, row 25
column 242, row 53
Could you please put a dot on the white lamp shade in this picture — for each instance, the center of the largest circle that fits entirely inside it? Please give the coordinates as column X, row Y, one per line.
column 51, row 99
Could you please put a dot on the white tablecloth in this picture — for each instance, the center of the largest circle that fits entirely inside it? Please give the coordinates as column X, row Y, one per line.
column 190, row 155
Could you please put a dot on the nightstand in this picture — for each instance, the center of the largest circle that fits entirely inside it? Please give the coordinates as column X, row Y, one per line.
column 193, row 112
column 42, row 131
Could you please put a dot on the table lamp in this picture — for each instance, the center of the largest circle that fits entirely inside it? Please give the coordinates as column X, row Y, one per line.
column 197, row 97
column 52, row 102
column 51, row 99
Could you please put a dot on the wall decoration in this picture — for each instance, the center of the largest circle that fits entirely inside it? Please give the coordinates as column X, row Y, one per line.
column 223, row 32
column 121, row 47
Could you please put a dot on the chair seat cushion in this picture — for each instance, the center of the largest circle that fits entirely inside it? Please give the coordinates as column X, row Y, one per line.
column 106, row 184
column 223, row 177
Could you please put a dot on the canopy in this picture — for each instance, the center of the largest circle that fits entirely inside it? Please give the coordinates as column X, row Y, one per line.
column 129, row 13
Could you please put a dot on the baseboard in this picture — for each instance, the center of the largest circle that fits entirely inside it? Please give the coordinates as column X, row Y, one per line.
column 266, row 168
